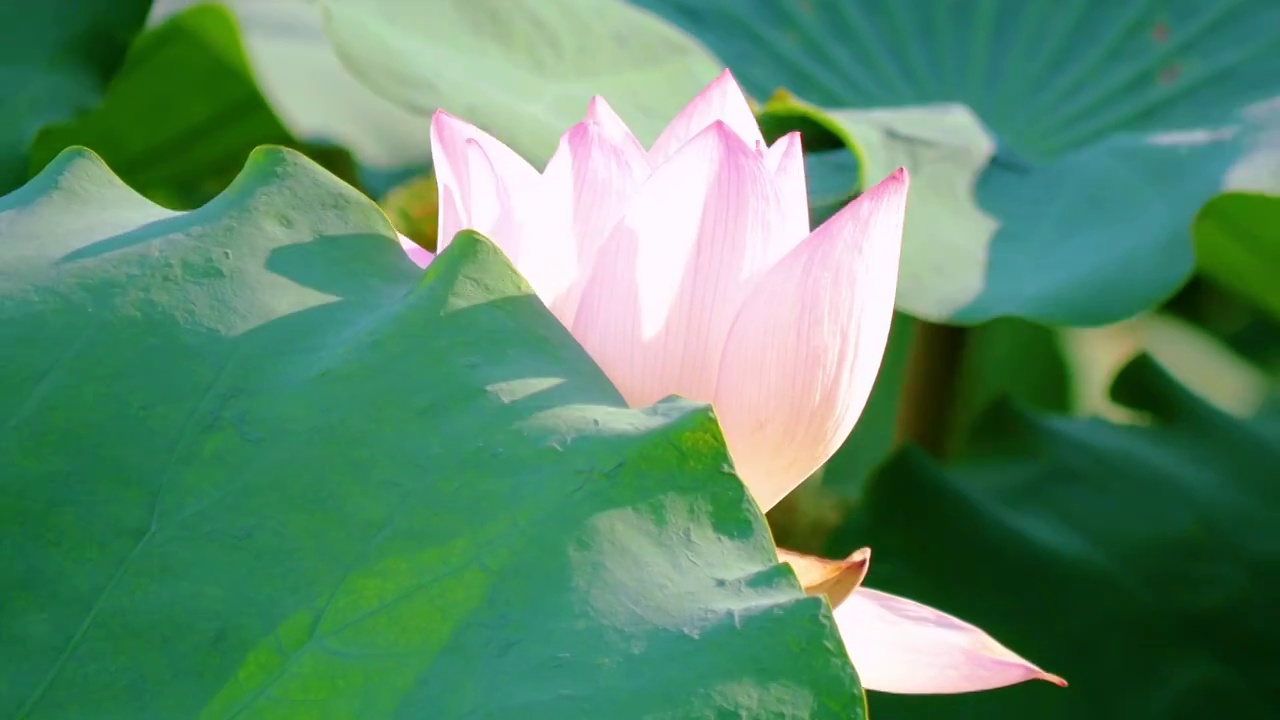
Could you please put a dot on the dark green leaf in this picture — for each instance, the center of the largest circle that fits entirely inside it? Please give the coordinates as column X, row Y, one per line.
column 1142, row 563
column 1237, row 237
column 1010, row 358
column 56, row 57
column 181, row 116
column 313, row 93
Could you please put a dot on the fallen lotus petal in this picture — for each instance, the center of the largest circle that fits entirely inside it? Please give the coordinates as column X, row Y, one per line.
column 690, row 269
column 901, row 646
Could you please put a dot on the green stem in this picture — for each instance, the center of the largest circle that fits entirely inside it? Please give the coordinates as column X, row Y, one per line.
column 930, row 388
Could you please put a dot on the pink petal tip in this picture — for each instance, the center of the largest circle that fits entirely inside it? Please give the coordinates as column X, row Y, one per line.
column 722, row 99
column 804, row 349
column 900, row 646
column 598, row 108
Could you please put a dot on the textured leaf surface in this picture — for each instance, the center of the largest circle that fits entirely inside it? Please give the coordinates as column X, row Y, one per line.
column 525, row 69
column 257, row 466
column 1113, row 123
column 1142, row 563
column 56, row 57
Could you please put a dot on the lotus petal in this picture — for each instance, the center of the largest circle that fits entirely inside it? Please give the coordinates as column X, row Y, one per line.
column 804, row 350
column 900, row 646
column 478, row 178
column 667, row 283
column 420, row 256
column 722, row 100
column 785, row 160
column 596, row 170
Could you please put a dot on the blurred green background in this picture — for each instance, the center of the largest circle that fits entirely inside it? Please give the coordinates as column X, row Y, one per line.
column 1074, row 440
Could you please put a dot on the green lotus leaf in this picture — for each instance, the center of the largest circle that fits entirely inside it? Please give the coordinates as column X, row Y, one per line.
column 58, row 56
column 1237, row 238
column 523, row 70
column 257, row 465
column 1061, row 149
column 1139, row 561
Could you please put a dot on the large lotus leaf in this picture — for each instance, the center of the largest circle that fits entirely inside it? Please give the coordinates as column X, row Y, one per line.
column 1142, row 562
column 1237, row 238
column 257, row 466
column 182, row 114
column 521, row 69
column 56, row 57
column 311, row 91
column 1111, row 122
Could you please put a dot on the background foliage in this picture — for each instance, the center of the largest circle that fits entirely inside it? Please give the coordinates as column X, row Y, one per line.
column 1073, row 441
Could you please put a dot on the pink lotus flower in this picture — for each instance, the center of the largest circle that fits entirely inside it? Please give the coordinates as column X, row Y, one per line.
column 689, row 269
